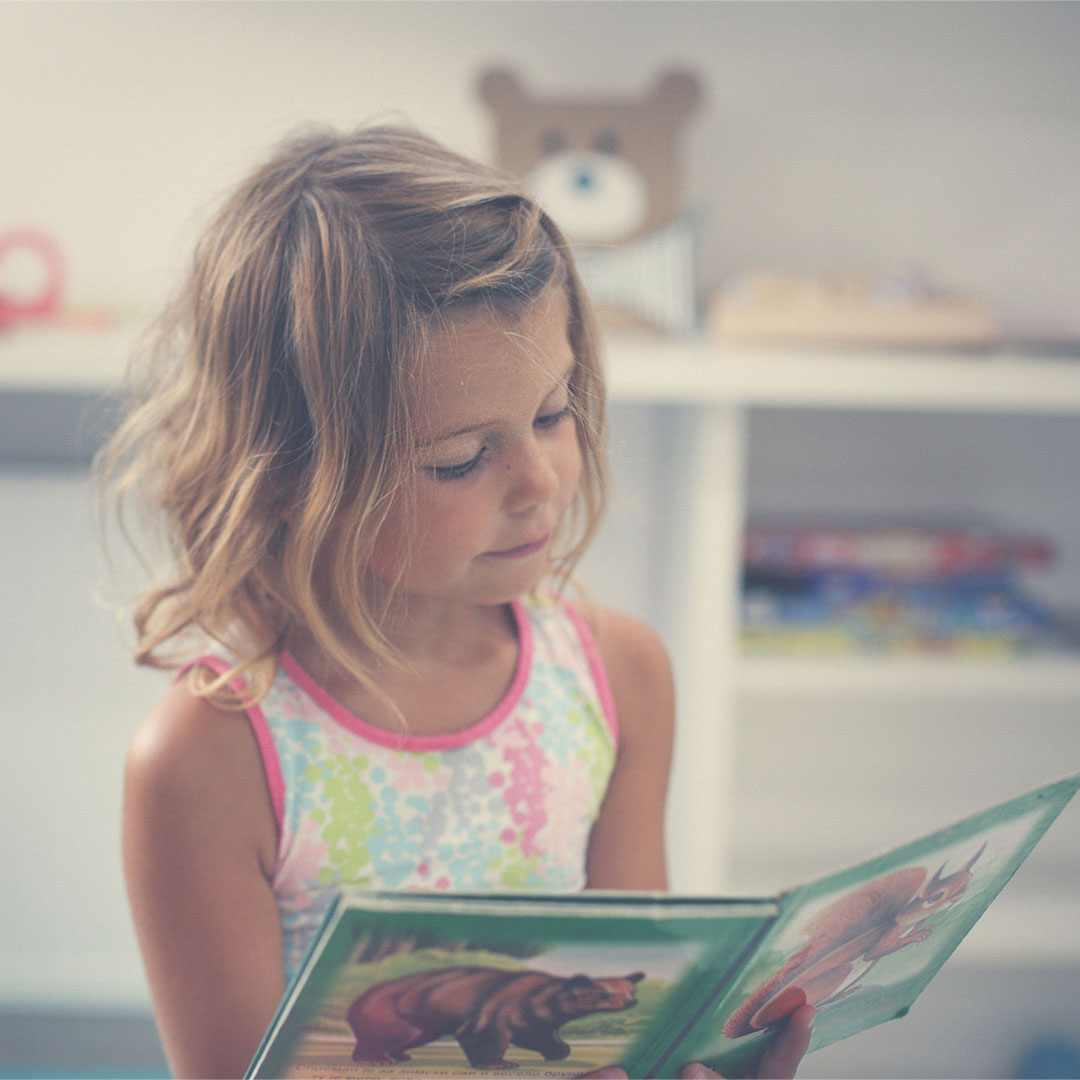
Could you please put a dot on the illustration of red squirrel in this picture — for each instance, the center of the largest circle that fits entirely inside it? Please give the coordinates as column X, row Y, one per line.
column 485, row 1009
column 862, row 926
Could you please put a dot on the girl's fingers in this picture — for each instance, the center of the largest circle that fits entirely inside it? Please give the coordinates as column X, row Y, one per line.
column 780, row 1061
column 784, row 1054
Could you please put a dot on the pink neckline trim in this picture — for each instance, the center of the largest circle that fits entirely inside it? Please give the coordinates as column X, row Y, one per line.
column 399, row 741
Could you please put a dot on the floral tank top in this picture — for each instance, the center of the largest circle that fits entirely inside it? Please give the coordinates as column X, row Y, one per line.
column 506, row 803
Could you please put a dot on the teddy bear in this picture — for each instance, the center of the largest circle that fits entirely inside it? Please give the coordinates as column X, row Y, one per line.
column 606, row 170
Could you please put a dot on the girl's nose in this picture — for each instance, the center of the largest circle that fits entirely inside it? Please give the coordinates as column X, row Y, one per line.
column 534, row 478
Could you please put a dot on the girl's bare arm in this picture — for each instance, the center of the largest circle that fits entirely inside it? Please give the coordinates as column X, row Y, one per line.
column 199, row 844
column 626, row 848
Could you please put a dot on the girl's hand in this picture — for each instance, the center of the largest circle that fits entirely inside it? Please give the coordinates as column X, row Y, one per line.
column 784, row 1054
column 780, row 1060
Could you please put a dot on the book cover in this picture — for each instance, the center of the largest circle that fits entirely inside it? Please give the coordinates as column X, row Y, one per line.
column 453, row 985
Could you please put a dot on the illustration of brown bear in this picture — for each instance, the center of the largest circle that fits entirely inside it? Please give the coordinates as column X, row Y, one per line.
column 485, row 1009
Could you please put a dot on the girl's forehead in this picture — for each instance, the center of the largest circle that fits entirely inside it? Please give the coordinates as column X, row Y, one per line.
column 479, row 363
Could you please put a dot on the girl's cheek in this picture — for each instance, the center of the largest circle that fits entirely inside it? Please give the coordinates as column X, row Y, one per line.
column 574, row 461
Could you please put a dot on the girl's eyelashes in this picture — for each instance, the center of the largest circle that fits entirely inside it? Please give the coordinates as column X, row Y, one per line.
column 549, row 420
column 544, row 422
column 455, row 472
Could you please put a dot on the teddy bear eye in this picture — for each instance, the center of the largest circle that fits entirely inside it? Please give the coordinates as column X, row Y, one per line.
column 552, row 142
column 606, row 142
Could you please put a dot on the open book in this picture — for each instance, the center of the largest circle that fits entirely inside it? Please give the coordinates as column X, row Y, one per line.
column 552, row 985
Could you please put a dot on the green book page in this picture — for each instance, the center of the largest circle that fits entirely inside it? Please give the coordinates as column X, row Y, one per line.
column 633, row 972
column 696, row 994
column 862, row 944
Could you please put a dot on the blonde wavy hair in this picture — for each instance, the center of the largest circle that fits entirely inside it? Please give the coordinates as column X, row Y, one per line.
column 272, row 430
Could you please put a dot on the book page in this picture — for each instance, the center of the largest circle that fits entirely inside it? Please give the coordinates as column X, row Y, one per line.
column 549, row 990
column 861, row 945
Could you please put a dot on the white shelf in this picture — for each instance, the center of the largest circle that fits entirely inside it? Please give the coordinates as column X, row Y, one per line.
column 928, row 381
column 65, row 360
column 1044, row 678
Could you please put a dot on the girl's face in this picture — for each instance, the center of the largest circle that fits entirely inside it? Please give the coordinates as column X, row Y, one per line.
column 498, row 460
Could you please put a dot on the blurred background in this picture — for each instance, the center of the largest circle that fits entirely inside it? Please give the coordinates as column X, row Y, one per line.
column 884, row 194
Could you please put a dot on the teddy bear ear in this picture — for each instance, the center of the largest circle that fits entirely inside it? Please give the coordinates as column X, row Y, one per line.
column 500, row 88
column 677, row 93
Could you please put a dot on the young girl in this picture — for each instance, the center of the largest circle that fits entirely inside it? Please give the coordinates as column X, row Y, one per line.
column 376, row 438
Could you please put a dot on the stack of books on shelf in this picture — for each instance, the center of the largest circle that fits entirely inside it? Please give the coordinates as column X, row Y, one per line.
column 892, row 589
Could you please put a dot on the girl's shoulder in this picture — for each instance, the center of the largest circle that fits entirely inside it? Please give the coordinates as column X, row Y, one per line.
column 183, row 734
column 629, row 648
column 636, row 661
column 611, row 629
column 625, row 640
column 198, row 765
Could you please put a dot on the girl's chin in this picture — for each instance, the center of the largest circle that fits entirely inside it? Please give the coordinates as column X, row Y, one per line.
column 492, row 580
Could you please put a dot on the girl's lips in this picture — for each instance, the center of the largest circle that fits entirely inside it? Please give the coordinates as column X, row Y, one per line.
column 524, row 550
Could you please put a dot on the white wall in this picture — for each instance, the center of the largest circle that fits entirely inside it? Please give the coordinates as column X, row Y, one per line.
column 833, row 136
column 69, row 703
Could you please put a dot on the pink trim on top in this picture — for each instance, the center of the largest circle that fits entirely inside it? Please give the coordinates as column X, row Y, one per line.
column 260, row 728
column 451, row 741
column 596, row 667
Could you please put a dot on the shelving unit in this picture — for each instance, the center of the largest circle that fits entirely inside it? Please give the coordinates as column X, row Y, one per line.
column 715, row 391
column 712, row 393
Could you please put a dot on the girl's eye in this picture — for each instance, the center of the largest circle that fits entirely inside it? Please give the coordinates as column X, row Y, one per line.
column 550, row 420
column 544, row 422
column 456, row 472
